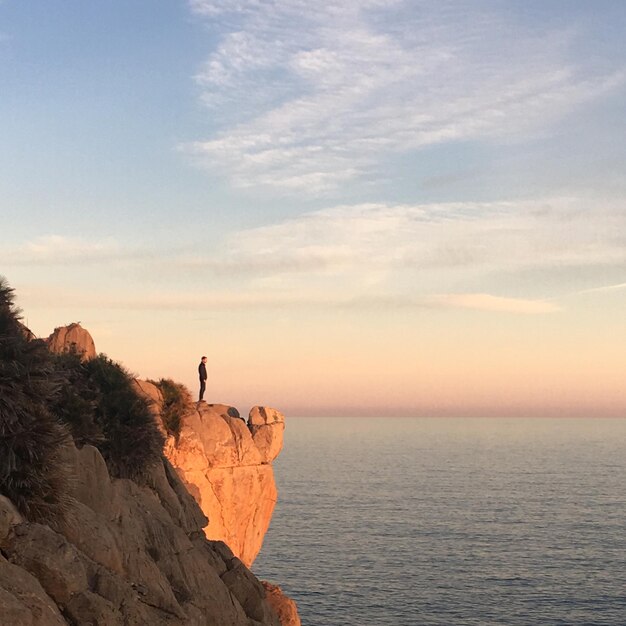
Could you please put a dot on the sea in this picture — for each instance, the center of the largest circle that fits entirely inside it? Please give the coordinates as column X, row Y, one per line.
column 415, row 522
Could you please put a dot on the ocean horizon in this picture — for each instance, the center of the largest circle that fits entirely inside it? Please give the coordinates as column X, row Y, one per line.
column 406, row 521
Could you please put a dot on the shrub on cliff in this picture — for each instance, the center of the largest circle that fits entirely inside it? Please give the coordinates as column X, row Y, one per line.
column 77, row 400
column 130, row 440
column 33, row 473
column 101, row 407
column 44, row 397
column 176, row 402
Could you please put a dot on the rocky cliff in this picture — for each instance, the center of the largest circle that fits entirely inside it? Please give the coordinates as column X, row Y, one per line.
column 225, row 464
column 99, row 528
column 128, row 555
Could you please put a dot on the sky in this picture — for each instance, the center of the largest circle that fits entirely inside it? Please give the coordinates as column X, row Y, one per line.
column 363, row 207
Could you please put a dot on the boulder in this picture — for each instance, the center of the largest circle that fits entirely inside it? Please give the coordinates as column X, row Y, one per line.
column 9, row 517
column 23, row 601
column 249, row 592
column 72, row 337
column 27, row 332
column 283, row 606
column 154, row 397
column 49, row 557
column 267, row 427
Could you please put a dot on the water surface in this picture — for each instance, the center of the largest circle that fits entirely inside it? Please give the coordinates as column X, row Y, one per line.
column 402, row 522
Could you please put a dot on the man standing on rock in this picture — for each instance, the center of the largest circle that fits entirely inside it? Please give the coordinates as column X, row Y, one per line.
column 202, row 375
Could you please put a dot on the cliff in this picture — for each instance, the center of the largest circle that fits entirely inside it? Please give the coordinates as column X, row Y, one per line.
column 127, row 555
column 225, row 464
column 96, row 525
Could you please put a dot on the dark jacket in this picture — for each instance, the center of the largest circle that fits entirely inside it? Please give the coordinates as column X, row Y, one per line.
column 202, row 371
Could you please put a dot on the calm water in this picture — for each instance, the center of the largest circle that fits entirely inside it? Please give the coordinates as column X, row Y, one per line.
column 400, row 522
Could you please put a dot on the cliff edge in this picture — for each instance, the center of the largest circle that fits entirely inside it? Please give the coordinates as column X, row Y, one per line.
column 225, row 464
column 96, row 525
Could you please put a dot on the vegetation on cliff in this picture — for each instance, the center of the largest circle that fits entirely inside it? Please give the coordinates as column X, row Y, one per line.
column 102, row 408
column 176, row 402
column 32, row 470
column 45, row 399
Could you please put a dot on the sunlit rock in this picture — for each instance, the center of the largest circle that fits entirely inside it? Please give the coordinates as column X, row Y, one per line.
column 72, row 338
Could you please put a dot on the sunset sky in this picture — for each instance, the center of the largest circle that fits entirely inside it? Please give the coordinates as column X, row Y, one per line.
column 359, row 207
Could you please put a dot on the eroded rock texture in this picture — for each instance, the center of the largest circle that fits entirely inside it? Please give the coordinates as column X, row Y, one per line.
column 130, row 555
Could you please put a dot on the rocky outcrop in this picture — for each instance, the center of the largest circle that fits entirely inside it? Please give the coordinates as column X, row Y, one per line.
column 225, row 464
column 27, row 332
column 267, row 427
column 130, row 555
column 217, row 457
column 72, row 337
column 284, row 606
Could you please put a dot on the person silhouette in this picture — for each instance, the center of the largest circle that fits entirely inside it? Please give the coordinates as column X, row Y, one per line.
column 202, row 375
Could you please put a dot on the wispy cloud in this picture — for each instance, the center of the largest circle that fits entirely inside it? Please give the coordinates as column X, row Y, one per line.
column 314, row 95
column 487, row 302
column 53, row 249
column 602, row 289
column 374, row 256
column 367, row 239
column 157, row 300
column 365, row 256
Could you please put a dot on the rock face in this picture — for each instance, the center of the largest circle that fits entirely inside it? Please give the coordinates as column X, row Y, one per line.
column 223, row 462
column 284, row 606
column 267, row 427
column 220, row 463
column 225, row 465
column 137, row 555
column 72, row 337
column 130, row 555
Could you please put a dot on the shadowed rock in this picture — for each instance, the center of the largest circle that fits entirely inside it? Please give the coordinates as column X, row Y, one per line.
column 129, row 555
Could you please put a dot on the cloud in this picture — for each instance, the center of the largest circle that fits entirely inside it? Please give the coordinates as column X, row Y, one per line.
column 366, row 256
column 53, row 249
column 603, row 289
column 487, row 302
column 310, row 96
column 441, row 255
column 381, row 239
column 257, row 300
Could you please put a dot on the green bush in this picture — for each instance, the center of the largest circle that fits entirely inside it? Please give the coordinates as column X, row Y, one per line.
column 33, row 473
column 45, row 398
column 99, row 404
column 77, row 400
column 131, row 441
column 176, row 402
